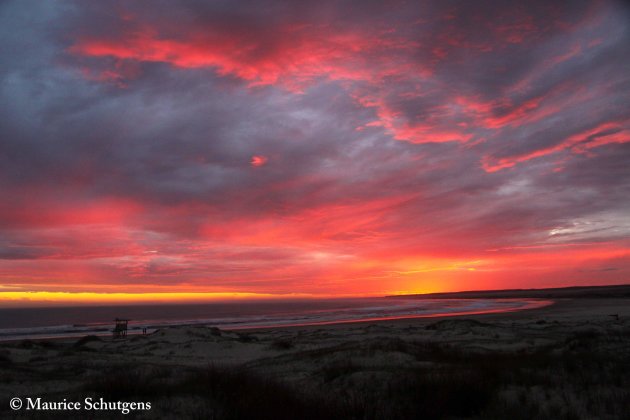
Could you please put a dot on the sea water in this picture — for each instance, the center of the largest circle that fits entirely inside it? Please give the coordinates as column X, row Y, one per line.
column 78, row 321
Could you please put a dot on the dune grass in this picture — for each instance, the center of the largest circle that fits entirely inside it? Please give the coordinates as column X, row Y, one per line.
column 573, row 381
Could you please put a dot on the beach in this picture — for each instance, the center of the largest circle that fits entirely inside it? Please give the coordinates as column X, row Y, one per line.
column 51, row 323
column 566, row 360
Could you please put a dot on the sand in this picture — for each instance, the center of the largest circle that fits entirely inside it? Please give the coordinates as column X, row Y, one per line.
column 342, row 359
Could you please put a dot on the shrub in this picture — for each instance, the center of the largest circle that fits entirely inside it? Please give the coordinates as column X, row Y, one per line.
column 282, row 344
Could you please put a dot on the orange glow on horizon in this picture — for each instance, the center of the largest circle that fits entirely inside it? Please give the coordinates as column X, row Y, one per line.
column 36, row 298
column 332, row 275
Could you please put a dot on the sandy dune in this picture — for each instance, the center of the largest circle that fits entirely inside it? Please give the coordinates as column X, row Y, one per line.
column 353, row 365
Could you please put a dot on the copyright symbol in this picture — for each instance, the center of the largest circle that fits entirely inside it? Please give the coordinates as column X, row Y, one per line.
column 15, row 403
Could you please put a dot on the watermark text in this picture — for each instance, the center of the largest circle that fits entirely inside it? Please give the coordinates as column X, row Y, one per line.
column 87, row 404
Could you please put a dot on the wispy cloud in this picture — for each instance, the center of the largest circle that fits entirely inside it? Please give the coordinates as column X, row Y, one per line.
column 313, row 147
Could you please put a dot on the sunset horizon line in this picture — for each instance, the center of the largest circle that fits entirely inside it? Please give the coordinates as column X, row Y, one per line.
column 31, row 299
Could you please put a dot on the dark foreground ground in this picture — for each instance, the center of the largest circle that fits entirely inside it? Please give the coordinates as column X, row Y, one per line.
column 567, row 361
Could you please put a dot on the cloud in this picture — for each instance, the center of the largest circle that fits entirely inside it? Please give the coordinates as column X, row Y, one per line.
column 319, row 147
column 258, row 160
column 603, row 134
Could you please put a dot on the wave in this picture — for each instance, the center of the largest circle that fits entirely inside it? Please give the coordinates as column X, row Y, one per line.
column 278, row 316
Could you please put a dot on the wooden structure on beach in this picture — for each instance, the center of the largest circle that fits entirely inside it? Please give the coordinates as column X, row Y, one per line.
column 120, row 329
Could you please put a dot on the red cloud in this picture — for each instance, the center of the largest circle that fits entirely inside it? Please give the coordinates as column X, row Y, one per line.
column 258, row 160
column 605, row 133
column 295, row 54
column 291, row 55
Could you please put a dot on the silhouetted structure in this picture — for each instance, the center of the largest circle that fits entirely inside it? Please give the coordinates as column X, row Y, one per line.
column 120, row 330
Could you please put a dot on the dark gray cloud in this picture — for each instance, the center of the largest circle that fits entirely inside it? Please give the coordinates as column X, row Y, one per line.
column 386, row 131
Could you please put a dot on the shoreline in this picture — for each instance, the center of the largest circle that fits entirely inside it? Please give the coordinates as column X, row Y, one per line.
column 556, row 308
column 530, row 305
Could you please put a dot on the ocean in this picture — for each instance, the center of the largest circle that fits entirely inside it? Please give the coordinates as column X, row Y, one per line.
column 78, row 321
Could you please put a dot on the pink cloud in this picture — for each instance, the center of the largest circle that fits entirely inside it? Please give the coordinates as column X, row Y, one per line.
column 258, row 160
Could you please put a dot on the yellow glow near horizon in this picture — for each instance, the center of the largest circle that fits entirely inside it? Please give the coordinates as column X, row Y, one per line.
column 31, row 297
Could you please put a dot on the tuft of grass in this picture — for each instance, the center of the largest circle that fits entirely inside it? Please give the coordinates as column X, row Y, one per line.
column 26, row 344
column 585, row 339
column 452, row 392
column 338, row 369
column 222, row 393
column 127, row 381
column 47, row 344
column 282, row 344
column 246, row 338
column 5, row 359
column 243, row 394
column 87, row 339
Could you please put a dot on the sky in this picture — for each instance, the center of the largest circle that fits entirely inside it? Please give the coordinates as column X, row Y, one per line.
column 173, row 150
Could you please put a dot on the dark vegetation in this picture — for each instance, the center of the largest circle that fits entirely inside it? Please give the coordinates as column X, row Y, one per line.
column 571, row 381
column 583, row 374
column 87, row 339
column 214, row 392
column 246, row 338
column 282, row 344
